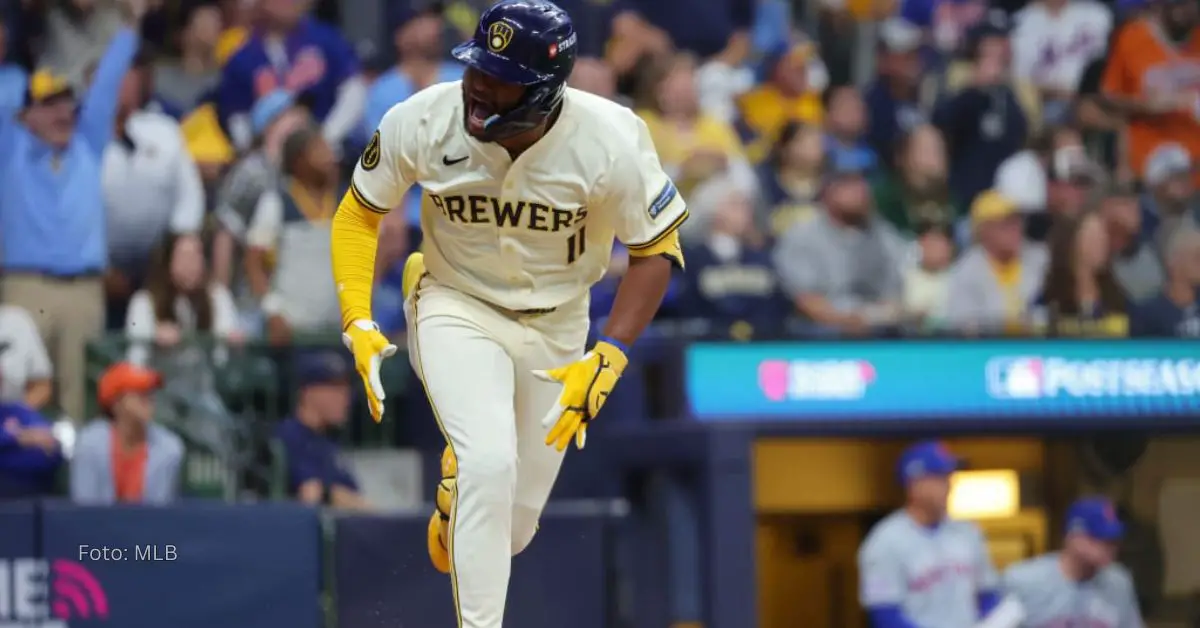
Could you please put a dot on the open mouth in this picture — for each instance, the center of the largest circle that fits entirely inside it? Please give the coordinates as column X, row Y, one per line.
column 478, row 113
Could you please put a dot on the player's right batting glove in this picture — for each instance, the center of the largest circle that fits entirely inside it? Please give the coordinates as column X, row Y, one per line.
column 369, row 347
column 586, row 386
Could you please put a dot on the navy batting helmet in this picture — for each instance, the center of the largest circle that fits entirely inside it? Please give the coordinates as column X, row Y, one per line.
column 523, row 42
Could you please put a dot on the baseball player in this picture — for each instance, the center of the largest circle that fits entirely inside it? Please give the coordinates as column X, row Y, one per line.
column 526, row 184
column 1081, row 585
column 917, row 569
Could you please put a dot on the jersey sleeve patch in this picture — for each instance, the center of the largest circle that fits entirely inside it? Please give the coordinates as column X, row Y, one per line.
column 663, row 200
column 371, row 154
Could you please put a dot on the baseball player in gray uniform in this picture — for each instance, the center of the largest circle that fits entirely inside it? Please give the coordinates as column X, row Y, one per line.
column 1081, row 586
column 917, row 569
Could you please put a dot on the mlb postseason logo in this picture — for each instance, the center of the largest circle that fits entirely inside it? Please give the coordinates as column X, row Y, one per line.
column 1040, row 377
column 1019, row 377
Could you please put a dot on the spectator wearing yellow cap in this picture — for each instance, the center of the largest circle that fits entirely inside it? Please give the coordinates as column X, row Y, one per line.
column 993, row 284
column 53, row 228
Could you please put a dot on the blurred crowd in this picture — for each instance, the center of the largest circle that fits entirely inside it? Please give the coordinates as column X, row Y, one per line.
column 853, row 168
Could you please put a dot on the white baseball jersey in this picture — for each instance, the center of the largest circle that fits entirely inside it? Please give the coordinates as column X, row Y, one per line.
column 1051, row 600
column 933, row 574
column 532, row 233
column 1052, row 50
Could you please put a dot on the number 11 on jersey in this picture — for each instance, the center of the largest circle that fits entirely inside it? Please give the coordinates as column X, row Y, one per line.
column 576, row 245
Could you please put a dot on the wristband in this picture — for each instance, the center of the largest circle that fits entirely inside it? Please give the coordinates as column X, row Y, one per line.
column 616, row 343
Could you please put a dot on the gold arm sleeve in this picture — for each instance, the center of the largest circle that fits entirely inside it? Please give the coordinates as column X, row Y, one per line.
column 354, row 240
column 667, row 245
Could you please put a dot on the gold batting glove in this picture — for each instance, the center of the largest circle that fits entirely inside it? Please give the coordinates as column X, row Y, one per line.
column 370, row 347
column 586, row 386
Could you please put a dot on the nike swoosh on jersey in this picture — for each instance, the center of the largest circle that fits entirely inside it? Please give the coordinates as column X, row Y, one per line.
column 446, row 161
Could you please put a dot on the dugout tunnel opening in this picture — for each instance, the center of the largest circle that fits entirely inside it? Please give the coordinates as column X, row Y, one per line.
column 815, row 500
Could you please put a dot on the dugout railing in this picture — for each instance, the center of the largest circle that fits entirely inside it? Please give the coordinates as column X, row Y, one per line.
column 225, row 400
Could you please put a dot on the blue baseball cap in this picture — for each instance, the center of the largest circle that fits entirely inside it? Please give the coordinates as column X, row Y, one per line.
column 927, row 458
column 321, row 368
column 1095, row 517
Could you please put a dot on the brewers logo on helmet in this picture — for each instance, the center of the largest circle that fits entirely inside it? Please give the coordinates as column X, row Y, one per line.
column 523, row 42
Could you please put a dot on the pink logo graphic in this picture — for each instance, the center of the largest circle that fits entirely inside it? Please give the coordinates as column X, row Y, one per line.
column 866, row 371
column 773, row 379
column 828, row 380
column 76, row 593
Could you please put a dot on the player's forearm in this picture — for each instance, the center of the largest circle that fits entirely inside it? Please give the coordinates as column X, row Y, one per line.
column 638, row 298
column 355, row 239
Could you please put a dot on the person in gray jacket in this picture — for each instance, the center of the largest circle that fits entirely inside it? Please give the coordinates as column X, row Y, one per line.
column 124, row 457
column 993, row 284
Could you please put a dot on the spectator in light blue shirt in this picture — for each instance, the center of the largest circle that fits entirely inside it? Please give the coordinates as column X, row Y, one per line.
column 419, row 48
column 52, row 218
column 417, row 35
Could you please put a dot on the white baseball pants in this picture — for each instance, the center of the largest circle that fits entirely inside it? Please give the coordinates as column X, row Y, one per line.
column 476, row 361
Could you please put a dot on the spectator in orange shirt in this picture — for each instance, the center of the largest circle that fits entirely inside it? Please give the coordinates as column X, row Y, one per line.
column 1150, row 78
column 125, row 457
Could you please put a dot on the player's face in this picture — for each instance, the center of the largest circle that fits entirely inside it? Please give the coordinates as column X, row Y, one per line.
column 1095, row 553
column 485, row 96
column 931, row 493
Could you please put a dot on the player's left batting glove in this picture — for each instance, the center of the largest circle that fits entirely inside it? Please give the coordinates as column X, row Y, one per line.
column 586, row 386
column 369, row 347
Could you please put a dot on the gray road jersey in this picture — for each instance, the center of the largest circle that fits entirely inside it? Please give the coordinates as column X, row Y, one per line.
column 933, row 575
column 1052, row 601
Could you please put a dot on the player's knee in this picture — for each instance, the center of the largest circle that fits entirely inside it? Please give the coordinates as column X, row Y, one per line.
column 524, row 527
column 494, row 470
